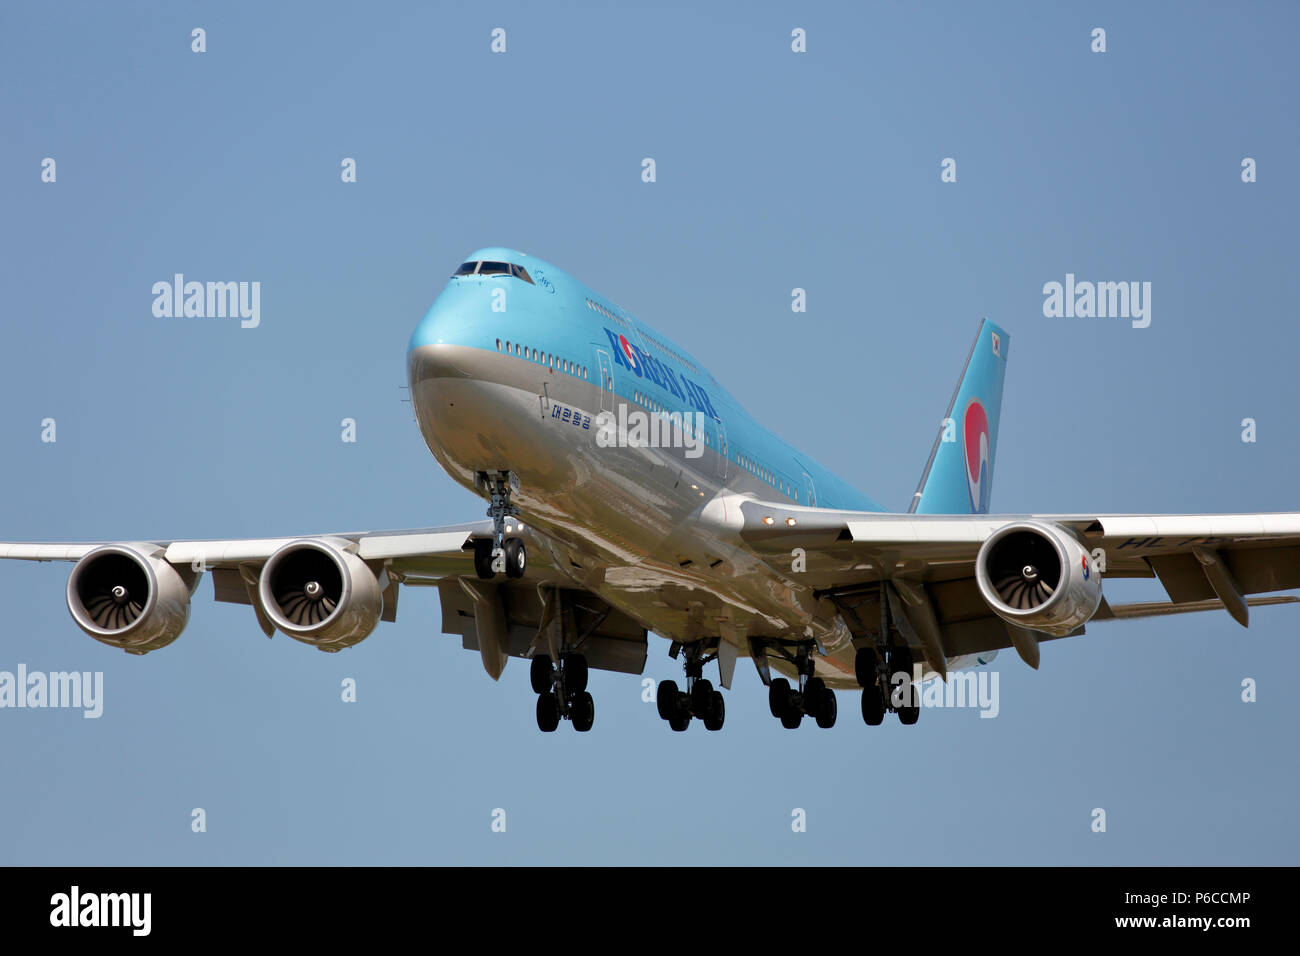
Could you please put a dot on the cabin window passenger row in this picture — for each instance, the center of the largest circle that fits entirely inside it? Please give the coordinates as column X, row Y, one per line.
column 545, row 358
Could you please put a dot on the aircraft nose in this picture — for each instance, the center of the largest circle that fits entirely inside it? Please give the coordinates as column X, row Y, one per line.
column 430, row 362
column 441, row 325
column 455, row 337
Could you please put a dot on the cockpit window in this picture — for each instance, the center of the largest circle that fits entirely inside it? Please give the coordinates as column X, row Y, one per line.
column 494, row 269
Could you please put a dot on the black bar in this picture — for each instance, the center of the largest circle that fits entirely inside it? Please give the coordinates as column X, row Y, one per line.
column 913, row 905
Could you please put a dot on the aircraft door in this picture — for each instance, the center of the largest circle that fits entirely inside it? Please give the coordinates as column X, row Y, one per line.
column 721, row 432
column 810, row 489
column 606, row 381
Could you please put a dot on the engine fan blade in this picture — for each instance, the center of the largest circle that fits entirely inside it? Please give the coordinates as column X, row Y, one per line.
column 1024, row 589
column 113, row 609
column 306, row 605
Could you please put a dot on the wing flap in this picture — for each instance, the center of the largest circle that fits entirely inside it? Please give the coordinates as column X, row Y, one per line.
column 228, row 587
column 1124, row 612
column 607, row 638
column 1182, row 577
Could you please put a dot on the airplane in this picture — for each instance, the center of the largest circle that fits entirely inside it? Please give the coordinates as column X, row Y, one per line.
column 629, row 493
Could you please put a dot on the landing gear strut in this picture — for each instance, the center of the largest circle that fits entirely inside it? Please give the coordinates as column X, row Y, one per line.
column 500, row 553
column 812, row 697
column 562, row 692
column 876, row 669
column 698, row 700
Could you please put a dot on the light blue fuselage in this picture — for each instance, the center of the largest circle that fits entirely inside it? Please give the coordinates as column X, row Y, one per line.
column 552, row 316
column 512, row 371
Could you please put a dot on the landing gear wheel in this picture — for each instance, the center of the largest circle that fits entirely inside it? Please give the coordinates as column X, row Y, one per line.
column 701, row 697
column 864, row 666
column 548, row 713
column 873, row 705
column 575, row 673
column 778, row 697
column 813, row 691
column 516, row 558
column 666, row 698
column 679, row 723
column 900, row 659
column 584, row 712
column 483, row 559
column 827, row 710
column 540, row 672
column 791, row 719
column 717, row 713
column 910, row 714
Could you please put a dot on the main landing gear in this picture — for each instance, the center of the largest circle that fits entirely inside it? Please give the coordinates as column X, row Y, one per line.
column 698, row 700
column 812, row 698
column 500, row 553
column 876, row 669
column 877, row 666
column 562, row 692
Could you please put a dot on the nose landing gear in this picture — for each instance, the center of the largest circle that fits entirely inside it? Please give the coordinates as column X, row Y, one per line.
column 500, row 553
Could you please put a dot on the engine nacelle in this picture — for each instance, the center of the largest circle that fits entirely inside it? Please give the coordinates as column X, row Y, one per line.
column 124, row 597
column 320, row 594
column 1036, row 575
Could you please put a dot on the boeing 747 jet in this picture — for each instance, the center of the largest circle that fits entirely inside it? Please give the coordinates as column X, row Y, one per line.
column 629, row 493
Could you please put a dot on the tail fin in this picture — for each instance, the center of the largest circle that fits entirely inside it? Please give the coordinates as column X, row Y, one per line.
column 959, row 475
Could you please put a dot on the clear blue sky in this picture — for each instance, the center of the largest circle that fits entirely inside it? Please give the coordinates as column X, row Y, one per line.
column 775, row 170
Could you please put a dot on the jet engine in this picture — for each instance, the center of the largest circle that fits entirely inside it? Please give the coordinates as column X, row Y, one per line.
column 1036, row 575
column 320, row 594
column 124, row 597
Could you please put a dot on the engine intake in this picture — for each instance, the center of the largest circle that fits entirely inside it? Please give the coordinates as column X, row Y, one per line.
column 1036, row 575
column 320, row 594
column 126, row 598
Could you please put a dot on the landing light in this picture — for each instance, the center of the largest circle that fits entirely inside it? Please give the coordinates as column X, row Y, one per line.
column 767, row 520
column 790, row 522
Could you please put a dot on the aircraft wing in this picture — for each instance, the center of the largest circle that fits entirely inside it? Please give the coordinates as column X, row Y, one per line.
column 451, row 542
column 927, row 564
column 500, row 618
